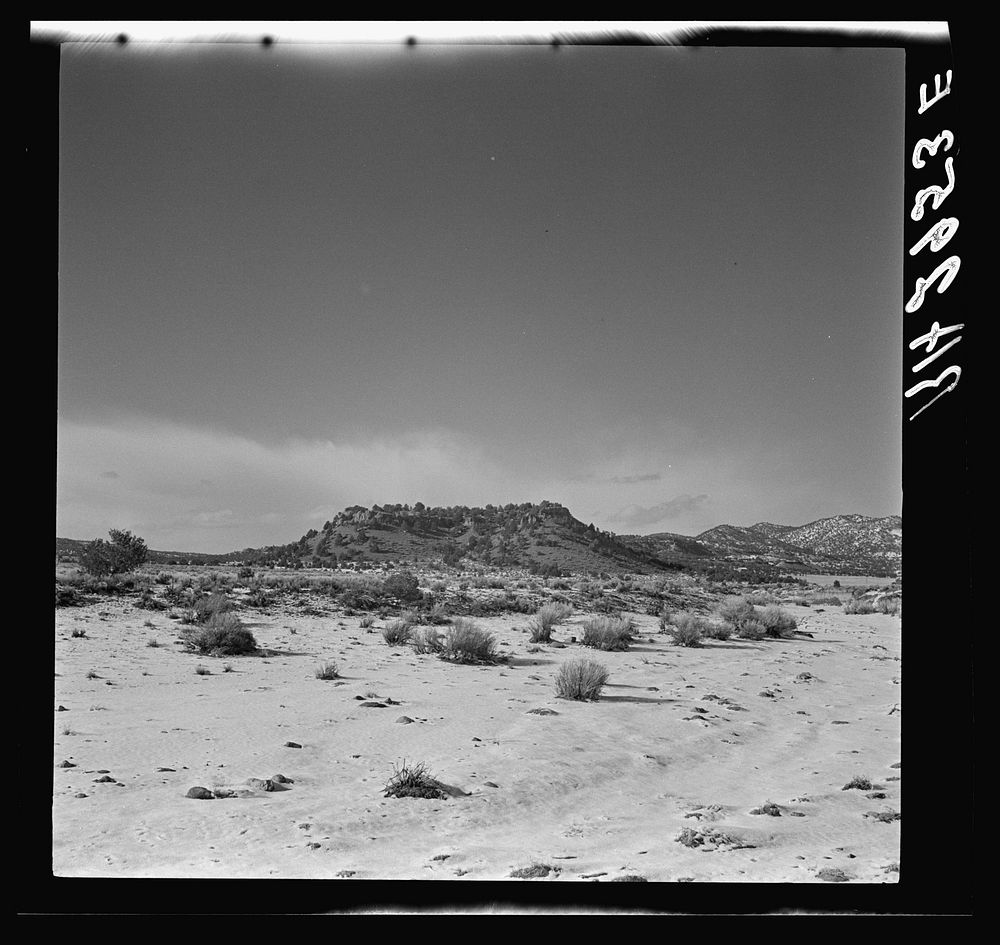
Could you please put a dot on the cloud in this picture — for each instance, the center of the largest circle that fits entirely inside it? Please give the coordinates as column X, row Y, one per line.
column 637, row 516
column 644, row 477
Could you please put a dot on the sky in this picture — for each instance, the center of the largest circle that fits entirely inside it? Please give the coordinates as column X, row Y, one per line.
column 661, row 286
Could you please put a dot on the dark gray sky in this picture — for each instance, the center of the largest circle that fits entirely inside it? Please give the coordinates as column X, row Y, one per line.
column 659, row 285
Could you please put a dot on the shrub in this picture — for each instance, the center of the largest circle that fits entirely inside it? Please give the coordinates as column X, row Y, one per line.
column 397, row 631
column 124, row 553
column 777, row 622
column 221, row 635
column 751, row 629
column 413, row 781
column 688, row 630
column 210, row 606
column 717, row 631
column 465, row 642
column 402, row 585
column 327, row 671
column 858, row 782
column 581, row 680
column 427, row 640
column 607, row 633
column 736, row 611
column 67, row 596
column 367, row 622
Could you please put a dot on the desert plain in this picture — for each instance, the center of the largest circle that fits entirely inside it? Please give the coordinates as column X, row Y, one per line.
column 724, row 762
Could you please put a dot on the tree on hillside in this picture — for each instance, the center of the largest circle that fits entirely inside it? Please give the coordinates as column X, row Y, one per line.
column 125, row 552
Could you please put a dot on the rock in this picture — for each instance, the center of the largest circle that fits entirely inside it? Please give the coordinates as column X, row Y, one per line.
column 80, row 795
column 542, row 712
column 224, row 792
column 281, row 779
column 491, row 784
column 165, row 769
column 63, row 708
column 200, row 793
column 370, row 704
column 832, row 875
column 104, row 779
column 292, row 745
column 404, row 720
column 260, row 784
column 65, row 764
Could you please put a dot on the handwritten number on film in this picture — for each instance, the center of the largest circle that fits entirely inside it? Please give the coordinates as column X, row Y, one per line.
column 935, row 239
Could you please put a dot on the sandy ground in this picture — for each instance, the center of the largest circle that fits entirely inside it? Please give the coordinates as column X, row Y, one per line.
column 682, row 739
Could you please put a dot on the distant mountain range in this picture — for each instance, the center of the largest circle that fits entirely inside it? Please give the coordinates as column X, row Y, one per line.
column 546, row 539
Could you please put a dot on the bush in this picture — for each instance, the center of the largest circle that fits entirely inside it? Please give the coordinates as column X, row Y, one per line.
column 465, row 642
column 209, row 606
column 688, row 630
column 221, row 635
column 327, row 671
column 888, row 605
column 736, row 611
column 581, row 680
column 124, row 553
column 413, row 781
column 607, row 633
column 777, row 622
column 717, row 631
column 427, row 640
column 402, row 585
column 752, row 629
column 397, row 631
column 547, row 617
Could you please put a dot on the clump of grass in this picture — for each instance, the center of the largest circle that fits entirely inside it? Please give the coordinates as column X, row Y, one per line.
column 630, row 878
column 687, row 630
column 397, row 632
column 858, row 782
column 777, row 622
column 92, row 675
column 153, row 643
column 328, row 671
column 413, row 781
column 859, row 606
column 203, row 671
column 607, row 633
column 222, row 635
column 547, row 617
column 227, row 667
column 888, row 605
column 582, row 680
column 367, row 622
column 427, row 640
column 78, row 633
column 465, row 642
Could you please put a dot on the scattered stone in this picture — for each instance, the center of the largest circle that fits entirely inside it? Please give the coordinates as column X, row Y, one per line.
column 260, row 784
column 292, row 745
column 281, row 779
column 62, row 708
column 404, row 720
column 65, row 764
column 346, row 874
column 200, row 794
column 105, row 779
column 490, row 784
column 839, row 722
column 224, row 792
column 542, row 712
column 441, row 857
column 313, row 846
column 772, row 810
column 833, row 875
column 165, row 769
column 876, row 796
column 591, row 875
column 630, row 878
column 884, row 816
column 372, row 705
column 535, row 871
column 80, row 795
